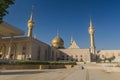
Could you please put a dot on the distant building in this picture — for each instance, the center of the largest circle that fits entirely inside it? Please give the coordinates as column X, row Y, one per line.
column 108, row 53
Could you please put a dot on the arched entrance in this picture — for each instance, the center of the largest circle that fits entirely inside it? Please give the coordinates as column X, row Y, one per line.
column 13, row 51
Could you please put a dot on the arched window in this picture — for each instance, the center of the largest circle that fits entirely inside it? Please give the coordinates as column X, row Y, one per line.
column 67, row 57
column 71, row 57
column 81, row 60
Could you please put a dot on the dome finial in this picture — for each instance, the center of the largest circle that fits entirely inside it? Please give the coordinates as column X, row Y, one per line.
column 31, row 16
column 57, row 32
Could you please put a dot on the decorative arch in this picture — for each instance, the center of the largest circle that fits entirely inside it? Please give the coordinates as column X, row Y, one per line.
column 13, row 51
column 24, row 47
column 2, row 50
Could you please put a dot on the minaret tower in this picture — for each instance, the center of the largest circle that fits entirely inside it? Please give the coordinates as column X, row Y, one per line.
column 30, row 24
column 92, row 43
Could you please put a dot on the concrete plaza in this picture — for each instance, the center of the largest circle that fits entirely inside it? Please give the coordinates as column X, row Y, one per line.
column 95, row 73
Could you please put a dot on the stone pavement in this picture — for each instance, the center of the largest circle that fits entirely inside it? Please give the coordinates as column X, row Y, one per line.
column 98, row 73
column 75, row 73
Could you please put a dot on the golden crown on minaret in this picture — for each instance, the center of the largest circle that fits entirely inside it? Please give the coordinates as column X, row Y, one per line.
column 30, row 24
column 58, row 42
column 91, row 29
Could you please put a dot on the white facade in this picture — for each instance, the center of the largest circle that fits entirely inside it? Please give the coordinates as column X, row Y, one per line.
column 24, row 48
column 75, row 53
column 108, row 53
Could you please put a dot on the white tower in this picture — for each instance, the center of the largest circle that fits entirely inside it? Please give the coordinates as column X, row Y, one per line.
column 92, row 43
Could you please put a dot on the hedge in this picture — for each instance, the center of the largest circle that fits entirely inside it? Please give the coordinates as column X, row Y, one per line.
column 37, row 63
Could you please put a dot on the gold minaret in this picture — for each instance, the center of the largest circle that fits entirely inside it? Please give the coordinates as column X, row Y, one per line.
column 92, row 43
column 30, row 24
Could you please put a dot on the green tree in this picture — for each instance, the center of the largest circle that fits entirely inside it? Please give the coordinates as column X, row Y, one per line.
column 4, row 4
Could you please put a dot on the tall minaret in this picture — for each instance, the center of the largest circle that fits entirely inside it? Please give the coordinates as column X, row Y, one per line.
column 30, row 24
column 92, row 43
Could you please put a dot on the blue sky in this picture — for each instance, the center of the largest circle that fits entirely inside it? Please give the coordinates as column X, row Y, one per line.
column 70, row 17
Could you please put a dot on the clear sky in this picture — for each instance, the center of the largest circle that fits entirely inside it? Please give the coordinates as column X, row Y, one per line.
column 70, row 17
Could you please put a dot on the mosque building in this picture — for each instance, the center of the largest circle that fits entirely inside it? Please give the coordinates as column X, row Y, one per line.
column 29, row 48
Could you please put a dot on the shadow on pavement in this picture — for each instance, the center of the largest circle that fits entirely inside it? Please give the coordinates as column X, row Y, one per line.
column 21, row 72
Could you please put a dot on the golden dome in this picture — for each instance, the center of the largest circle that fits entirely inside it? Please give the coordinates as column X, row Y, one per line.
column 58, row 42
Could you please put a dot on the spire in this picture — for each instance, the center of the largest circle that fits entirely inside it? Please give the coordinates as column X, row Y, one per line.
column 57, row 32
column 71, row 41
column 91, row 29
column 91, row 23
column 31, row 16
column 73, row 44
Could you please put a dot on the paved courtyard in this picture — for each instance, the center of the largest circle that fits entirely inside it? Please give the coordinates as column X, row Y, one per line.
column 95, row 73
